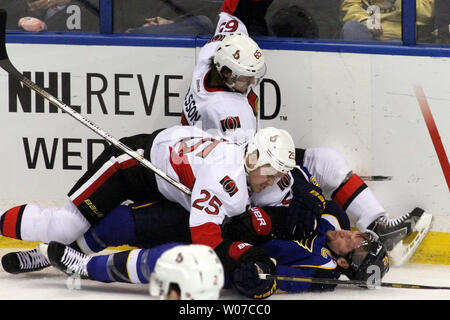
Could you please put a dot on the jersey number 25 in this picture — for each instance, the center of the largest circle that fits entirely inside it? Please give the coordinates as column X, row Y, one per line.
column 212, row 204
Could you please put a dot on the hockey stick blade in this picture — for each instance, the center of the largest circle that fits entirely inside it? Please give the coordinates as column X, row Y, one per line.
column 349, row 282
column 6, row 65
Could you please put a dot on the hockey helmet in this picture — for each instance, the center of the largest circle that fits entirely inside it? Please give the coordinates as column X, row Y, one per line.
column 195, row 269
column 239, row 53
column 272, row 146
column 369, row 258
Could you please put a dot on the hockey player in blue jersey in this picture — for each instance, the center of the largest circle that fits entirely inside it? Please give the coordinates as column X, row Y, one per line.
column 333, row 250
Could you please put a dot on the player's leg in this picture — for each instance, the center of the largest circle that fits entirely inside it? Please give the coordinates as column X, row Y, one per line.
column 144, row 226
column 115, row 229
column 115, row 177
column 339, row 183
column 132, row 266
column 32, row 222
column 112, row 179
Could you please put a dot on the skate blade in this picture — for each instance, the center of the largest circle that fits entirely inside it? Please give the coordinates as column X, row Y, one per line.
column 403, row 251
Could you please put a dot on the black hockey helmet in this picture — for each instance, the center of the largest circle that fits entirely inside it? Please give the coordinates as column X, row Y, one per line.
column 370, row 258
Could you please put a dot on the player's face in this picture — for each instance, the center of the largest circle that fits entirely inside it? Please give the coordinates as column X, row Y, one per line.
column 242, row 83
column 263, row 177
column 342, row 242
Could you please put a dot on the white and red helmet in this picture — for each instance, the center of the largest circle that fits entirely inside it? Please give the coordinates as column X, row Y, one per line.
column 241, row 55
column 196, row 269
column 273, row 146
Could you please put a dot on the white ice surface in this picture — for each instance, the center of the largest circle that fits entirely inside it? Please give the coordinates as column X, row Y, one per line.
column 51, row 284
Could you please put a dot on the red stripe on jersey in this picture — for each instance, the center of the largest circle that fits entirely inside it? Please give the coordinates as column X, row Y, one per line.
column 347, row 190
column 208, row 234
column 182, row 168
column 252, row 99
column 184, row 122
column 229, row 6
column 10, row 222
column 103, row 177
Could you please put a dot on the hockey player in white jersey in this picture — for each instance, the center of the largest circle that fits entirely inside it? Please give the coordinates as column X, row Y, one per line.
column 221, row 99
column 211, row 90
column 222, row 177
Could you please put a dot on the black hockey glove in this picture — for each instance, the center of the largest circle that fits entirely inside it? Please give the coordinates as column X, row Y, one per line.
column 246, row 275
column 306, row 207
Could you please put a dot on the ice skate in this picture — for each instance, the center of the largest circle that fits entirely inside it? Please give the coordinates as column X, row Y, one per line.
column 393, row 231
column 67, row 259
column 24, row 261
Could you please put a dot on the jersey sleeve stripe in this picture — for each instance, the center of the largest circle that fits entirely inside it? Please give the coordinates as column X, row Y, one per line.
column 208, row 234
column 182, row 168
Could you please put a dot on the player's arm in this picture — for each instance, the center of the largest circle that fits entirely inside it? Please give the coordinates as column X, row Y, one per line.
column 240, row 259
column 228, row 22
column 257, row 225
column 306, row 206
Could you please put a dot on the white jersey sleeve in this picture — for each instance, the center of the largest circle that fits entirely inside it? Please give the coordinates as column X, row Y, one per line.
column 279, row 194
column 230, row 24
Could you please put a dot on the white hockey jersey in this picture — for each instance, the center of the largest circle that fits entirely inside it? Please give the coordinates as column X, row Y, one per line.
column 218, row 111
column 213, row 168
column 214, row 171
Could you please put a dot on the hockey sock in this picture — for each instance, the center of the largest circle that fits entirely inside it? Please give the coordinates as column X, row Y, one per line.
column 11, row 221
column 31, row 222
column 115, row 229
column 126, row 266
column 348, row 191
column 358, row 201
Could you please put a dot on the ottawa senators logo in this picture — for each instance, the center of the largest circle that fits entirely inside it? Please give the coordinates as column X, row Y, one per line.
column 284, row 182
column 230, row 123
column 229, row 185
column 274, row 138
column 236, row 55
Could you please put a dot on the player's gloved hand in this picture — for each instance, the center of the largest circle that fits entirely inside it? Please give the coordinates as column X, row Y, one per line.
column 253, row 226
column 246, row 276
column 306, row 207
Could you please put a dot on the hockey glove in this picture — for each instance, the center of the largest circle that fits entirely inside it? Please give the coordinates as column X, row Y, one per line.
column 253, row 226
column 246, row 276
column 306, row 207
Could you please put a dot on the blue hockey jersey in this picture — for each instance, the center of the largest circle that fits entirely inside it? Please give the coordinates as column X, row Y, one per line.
column 308, row 257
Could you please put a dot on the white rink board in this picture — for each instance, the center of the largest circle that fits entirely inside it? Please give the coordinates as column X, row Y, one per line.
column 362, row 105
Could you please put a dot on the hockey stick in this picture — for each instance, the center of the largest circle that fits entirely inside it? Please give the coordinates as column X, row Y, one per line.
column 376, row 178
column 6, row 65
column 349, row 282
